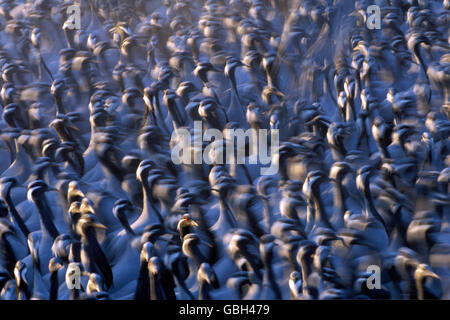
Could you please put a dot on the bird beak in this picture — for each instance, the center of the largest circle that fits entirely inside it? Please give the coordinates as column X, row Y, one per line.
column 206, row 243
column 428, row 273
column 98, row 225
column 169, row 241
column 193, row 223
column 74, row 128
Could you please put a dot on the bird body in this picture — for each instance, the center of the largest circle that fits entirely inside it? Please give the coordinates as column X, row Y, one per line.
column 354, row 121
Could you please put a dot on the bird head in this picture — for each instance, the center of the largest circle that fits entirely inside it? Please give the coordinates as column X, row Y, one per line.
column 6, row 184
column 185, row 224
column 10, row 113
column 184, row 199
column 321, row 257
column 206, row 273
column 207, row 107
column 143, row 170
column 95, row 284
column 169, row 96
column 269, row 93
column 312, row 183
column 127, row 45
column 88, row 222
column 423, row 271
column 121, row 208
column 61, row 247
column 220, row 180
column 306, row 250
column 74, row 192
column 264, row 185
column 186, row 87
column 20, row 273
column 65, row 148
column 86, row 206
column 231, row 64
column 154, row 233
column 268, row 243
column 155, row 266
column 362, row 177
column 339, row 170
column 37, row 188
column 252, row 57
column 36, row 37
column 54, row 265
column 147, row 251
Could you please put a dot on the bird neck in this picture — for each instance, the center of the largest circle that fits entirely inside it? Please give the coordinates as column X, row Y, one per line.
column 349, row 114
column 22, row 159
column 15, row 216
column 47, row 225
column 54, row 285
column 174, row 113
column 283, row 168
column 305, row 266
column 74, row 294
column 419, row 57
column 338, row 150
column 267, row 213
column 39, row 288
column 128, row 229
column 310, row 213
column 371, row 211
column 90, row 238
column 156, row 104
column 75, row 250
column 226, row 214
column 321, row 217
column 91, row 146
column 143, row 286
column 420, row 288
column 269, row 276
column 156, row 291
column 69, row 38
column 22, row 291
column 150, row 214
column 184, row 230
column 255, row 77
column 271, row 78
column 97, row 261
column 203, row 290
column 159, row 114
column 59, row 104
column 338, row 199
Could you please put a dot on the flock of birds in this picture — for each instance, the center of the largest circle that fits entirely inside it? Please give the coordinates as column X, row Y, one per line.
column 86, row 175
